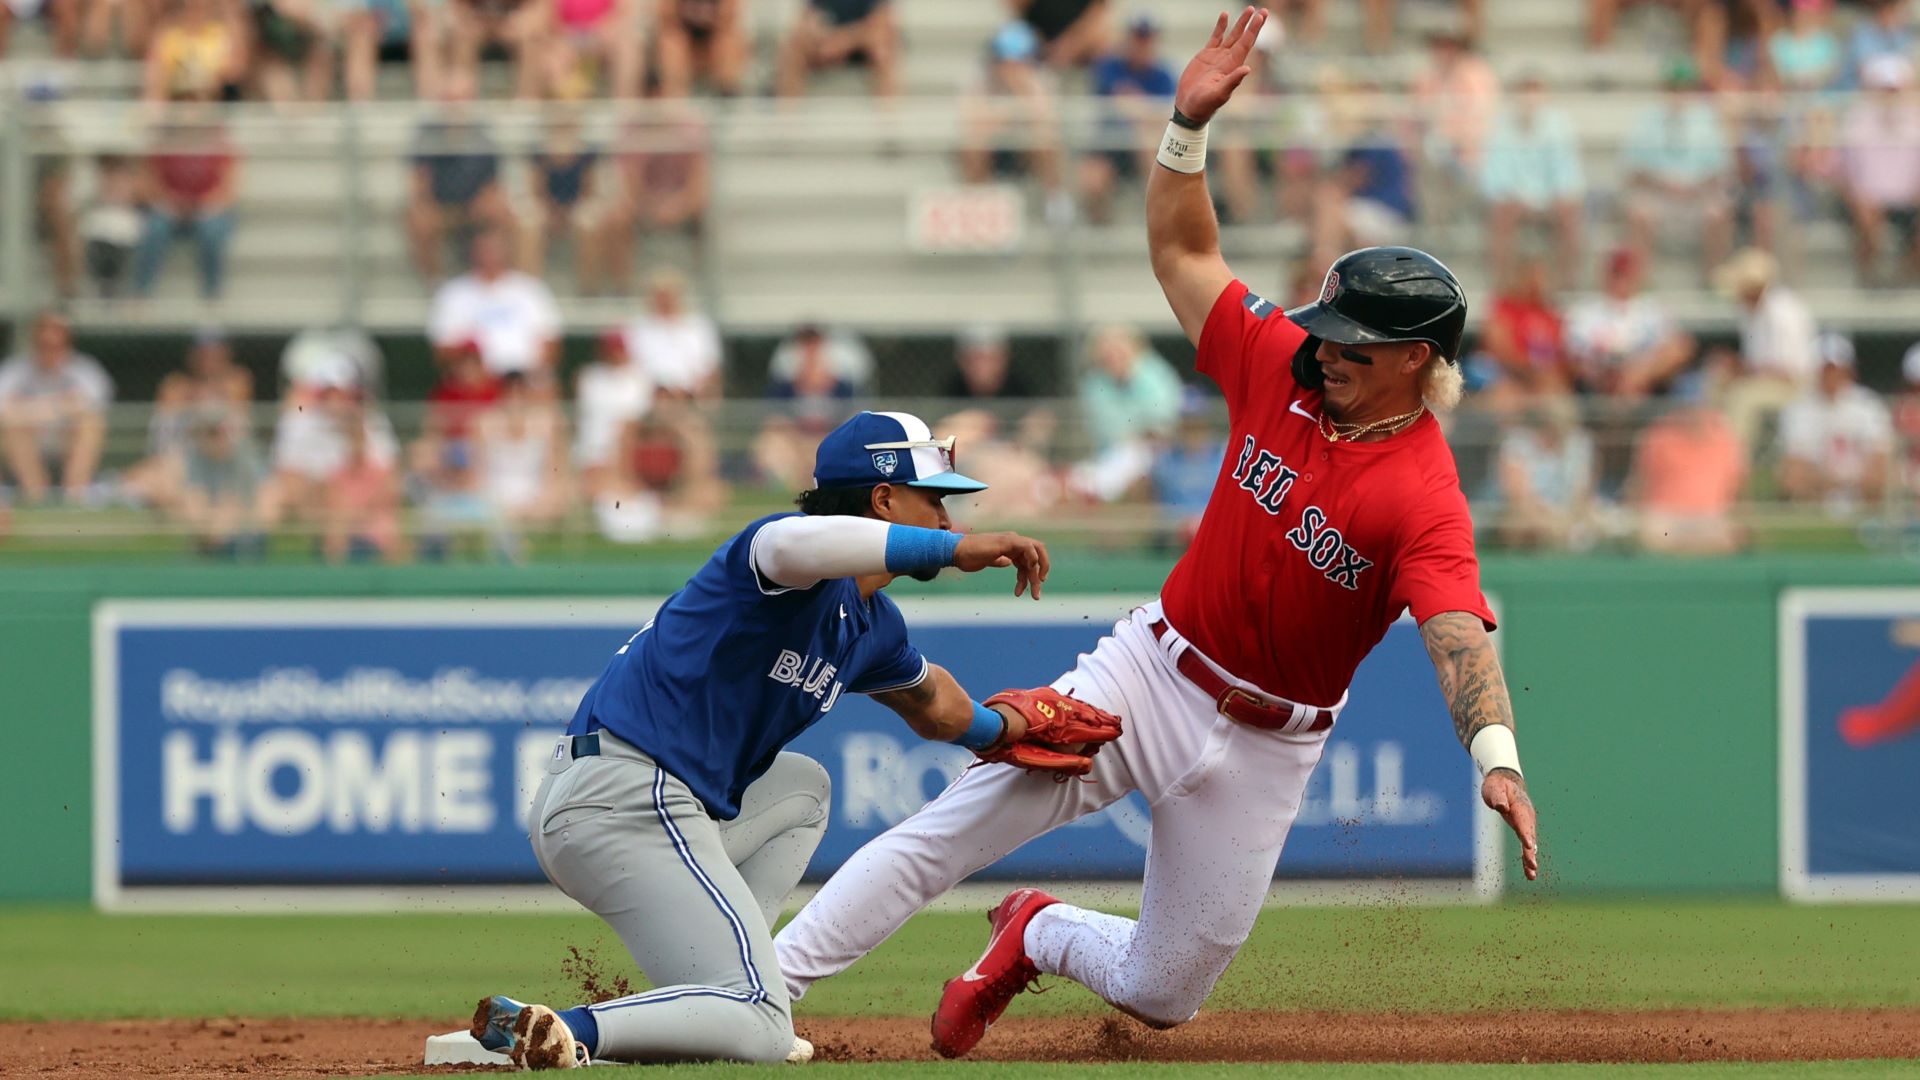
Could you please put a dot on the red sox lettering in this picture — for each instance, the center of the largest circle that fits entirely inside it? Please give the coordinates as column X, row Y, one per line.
column 1326, row 549
column 1259, row 469
column 1263, row 474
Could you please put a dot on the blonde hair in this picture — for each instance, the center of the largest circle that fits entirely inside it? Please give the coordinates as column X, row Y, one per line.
column 1441, row 384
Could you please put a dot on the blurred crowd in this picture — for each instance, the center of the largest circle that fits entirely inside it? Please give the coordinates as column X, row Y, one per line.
column 1778, row 416
column 635, row 441
column 1775, row 114
column 1602, row 425
column 1595, row 419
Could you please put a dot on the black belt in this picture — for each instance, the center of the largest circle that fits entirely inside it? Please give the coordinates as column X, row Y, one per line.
column 585, row 745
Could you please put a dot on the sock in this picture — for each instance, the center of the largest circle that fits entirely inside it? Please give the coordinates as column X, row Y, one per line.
column 1085, row 946
column 586, row 1030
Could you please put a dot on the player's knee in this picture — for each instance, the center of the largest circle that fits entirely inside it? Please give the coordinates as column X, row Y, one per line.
column 1159, row 1011
column 1164, row 995
column 804, row 776
column 770, row 1037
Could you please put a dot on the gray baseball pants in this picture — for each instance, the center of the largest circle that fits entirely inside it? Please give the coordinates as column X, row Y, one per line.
column 693, row 898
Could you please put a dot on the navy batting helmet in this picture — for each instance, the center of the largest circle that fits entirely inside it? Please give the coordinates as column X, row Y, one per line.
column 1382, row 294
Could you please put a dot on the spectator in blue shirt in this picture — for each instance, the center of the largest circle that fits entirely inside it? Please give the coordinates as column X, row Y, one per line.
column 812, row 385
column 1678, row 164
column 1531, row 172
column 456, row 177
column 840, row 33
column 1369, row 198
column 1885, row 31
column 1006, row 115
column 1137, row 90
column 1185, row 470
column 563, row 189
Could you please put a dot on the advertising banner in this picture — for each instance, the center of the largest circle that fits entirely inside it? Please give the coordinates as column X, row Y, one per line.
column 399, row 743
column 1850, row 744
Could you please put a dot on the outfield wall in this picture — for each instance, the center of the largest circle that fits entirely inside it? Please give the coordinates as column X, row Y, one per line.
column 1646, row 692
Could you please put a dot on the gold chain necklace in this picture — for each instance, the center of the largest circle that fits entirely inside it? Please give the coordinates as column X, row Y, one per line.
column 1392, row 425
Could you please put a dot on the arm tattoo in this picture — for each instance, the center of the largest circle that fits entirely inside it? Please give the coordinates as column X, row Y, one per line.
column 1469, row 669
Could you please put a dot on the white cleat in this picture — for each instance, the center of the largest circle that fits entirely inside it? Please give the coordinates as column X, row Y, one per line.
column 801, row 1053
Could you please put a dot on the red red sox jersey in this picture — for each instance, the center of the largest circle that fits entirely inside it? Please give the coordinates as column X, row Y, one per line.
column 1310, row 549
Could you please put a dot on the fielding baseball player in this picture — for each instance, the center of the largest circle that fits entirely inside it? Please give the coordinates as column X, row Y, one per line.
column 1337, row 507
column 669, row 809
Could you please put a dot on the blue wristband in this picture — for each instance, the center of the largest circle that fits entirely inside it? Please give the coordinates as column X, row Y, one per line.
column 910, row 549
column 986, row 730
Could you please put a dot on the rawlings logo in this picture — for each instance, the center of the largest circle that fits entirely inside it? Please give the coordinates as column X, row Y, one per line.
column 1332, row 286
column 886, row 461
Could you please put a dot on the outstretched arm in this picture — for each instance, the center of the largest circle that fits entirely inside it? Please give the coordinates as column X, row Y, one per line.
column 1183, row 237
column 938, row 710
column 801, row 551
column 1476, row 693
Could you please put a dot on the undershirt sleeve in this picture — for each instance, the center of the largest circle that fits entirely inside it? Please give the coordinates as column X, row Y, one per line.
column 801, row 551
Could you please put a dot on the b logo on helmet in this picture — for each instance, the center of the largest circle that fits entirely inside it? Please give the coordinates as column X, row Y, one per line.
column 886, row 461
column 1332, row 286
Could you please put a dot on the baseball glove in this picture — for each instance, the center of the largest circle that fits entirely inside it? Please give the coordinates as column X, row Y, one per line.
column 1063, row 733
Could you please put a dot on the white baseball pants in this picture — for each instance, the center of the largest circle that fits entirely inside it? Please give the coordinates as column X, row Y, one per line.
column 1222, row 797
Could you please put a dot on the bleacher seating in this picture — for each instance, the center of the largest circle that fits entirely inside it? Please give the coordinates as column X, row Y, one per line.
column 810, row 198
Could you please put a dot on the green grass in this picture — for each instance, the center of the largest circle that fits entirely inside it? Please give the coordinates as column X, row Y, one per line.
column 76, row 964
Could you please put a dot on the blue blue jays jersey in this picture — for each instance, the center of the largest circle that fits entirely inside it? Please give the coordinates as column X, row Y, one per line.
column 733, row 667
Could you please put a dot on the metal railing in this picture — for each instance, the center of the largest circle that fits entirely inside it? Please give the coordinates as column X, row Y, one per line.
column 266, row 482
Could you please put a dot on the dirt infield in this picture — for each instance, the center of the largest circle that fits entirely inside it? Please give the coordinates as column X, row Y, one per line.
column 333, row 1047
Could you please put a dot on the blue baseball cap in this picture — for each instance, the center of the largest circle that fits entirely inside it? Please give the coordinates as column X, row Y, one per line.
column 888, row 448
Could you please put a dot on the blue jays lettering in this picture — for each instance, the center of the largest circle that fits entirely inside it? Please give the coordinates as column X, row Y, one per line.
column 812, row 676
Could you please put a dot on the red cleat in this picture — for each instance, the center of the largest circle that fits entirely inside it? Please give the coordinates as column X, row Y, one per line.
column 976, row 997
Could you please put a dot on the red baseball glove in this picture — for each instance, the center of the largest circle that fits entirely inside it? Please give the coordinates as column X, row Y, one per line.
column 1063, row 733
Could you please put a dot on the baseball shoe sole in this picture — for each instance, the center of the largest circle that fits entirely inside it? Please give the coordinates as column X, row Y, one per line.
column 974, row 999
column 532, row 1036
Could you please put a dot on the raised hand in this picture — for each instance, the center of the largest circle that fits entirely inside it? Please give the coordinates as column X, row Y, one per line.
column 1506, row 794
column 978, row 551
column 1216, row 70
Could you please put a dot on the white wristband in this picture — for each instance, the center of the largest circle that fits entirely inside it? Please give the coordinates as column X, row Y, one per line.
column 1183, row 149
column 1493, row 748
